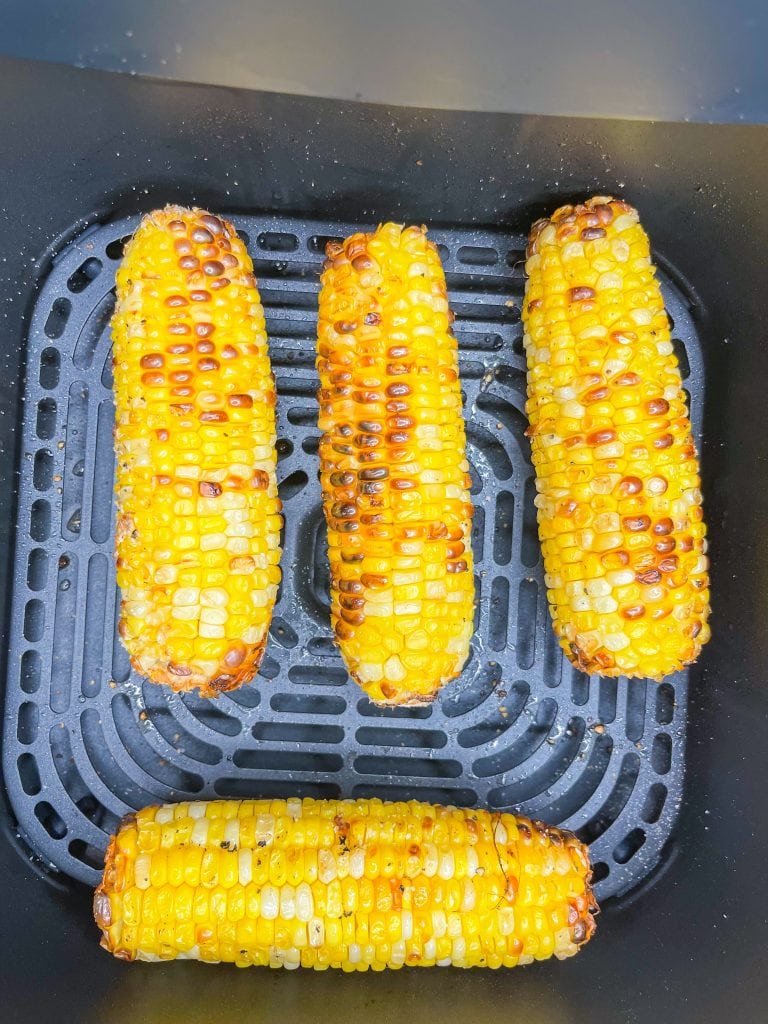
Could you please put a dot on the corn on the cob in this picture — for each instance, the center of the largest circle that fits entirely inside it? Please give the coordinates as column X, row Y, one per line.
column 198, row 520
column 393, row 466
column 619, row 505
column 355, row 884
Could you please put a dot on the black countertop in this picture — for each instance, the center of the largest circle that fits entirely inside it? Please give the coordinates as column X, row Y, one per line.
column 670, row 60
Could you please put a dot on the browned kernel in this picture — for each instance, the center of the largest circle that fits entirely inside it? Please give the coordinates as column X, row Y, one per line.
column 603, row 212
column 589, row 234
column 213, row 268
column 161, row 434
column 183, row 247
column 669, row 564
column 220, row 282
column 455, row 567
column 230, row 261
column 403, row 484
column 176, row 300
column 259, row 480
column 626, row 380
column 200, row 295
column 182, row 392
column 182, row 408
column 204, row 330
column 401, row 422
column 663, row 526
column 178, row 328
column 152, row 362
column 580, row 293
column 343, row 511
column 208, row 489
column 207, row 365
column 180, row 376
column 179, row 349
column 665, row 545
column 236, row 654
column 374, row 581
column 373, row 319
column 362, row 262
column 596, row 395
column 374, row 473
column 350, row 587
column 205, row 347
column 665, row 441
column 342, row 479
column 240, row 401
column 636, row 524
column 176, row 225
column 648, row 576
column 599, row 437
column 398, row 390
column 179, row 670
column 657, row 406
column 189, row 263
column 635, row 611
column 212, row 223
column 153, row 380
column 202, row 235
column 629, row 485
column 212, row 416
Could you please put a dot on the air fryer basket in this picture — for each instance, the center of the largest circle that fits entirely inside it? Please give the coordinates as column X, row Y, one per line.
column 85, row 740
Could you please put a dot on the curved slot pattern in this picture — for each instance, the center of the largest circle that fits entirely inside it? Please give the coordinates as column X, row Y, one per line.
column 148, row 759
column 524, row 746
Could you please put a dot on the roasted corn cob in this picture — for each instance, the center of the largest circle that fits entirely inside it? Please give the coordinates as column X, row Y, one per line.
column 198, row 519
column 355, row 884
column 393, row 466
column 619, row 505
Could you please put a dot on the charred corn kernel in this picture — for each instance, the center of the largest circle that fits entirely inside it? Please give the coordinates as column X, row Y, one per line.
column 198, row 511
column 449, row 886
column 394, row 470
column 619, row 505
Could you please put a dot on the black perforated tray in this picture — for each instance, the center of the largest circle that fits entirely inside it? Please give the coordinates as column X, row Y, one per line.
column 85, row 739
